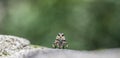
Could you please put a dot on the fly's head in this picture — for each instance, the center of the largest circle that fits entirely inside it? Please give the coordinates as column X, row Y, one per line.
column 60, row 36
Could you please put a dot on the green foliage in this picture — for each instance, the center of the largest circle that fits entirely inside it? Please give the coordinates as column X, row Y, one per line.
column 87, row 24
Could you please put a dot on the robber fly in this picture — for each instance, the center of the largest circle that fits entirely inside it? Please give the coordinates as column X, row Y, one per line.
column 60, row 41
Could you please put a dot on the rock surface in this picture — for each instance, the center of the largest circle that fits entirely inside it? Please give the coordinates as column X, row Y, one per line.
column 63, row 53
column 16, row 47
column 10, row 45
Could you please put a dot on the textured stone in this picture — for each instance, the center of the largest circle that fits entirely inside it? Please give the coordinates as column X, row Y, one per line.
column 16, row 47
column 12, row 44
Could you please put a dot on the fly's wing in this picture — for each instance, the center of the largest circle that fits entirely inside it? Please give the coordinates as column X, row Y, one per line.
column 56, row 43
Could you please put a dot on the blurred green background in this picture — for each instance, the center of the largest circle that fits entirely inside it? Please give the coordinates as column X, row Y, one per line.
column 87, row 24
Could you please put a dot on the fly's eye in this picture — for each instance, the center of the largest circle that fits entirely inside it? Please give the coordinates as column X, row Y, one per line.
column 58, row 35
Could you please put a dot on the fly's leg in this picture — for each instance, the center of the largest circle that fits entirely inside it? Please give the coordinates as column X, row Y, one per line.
column 54, row 45
column 65, row 45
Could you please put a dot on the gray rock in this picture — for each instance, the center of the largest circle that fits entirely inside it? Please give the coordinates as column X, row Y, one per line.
column 64, row 53
column 16, row 47
column 12, row 44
